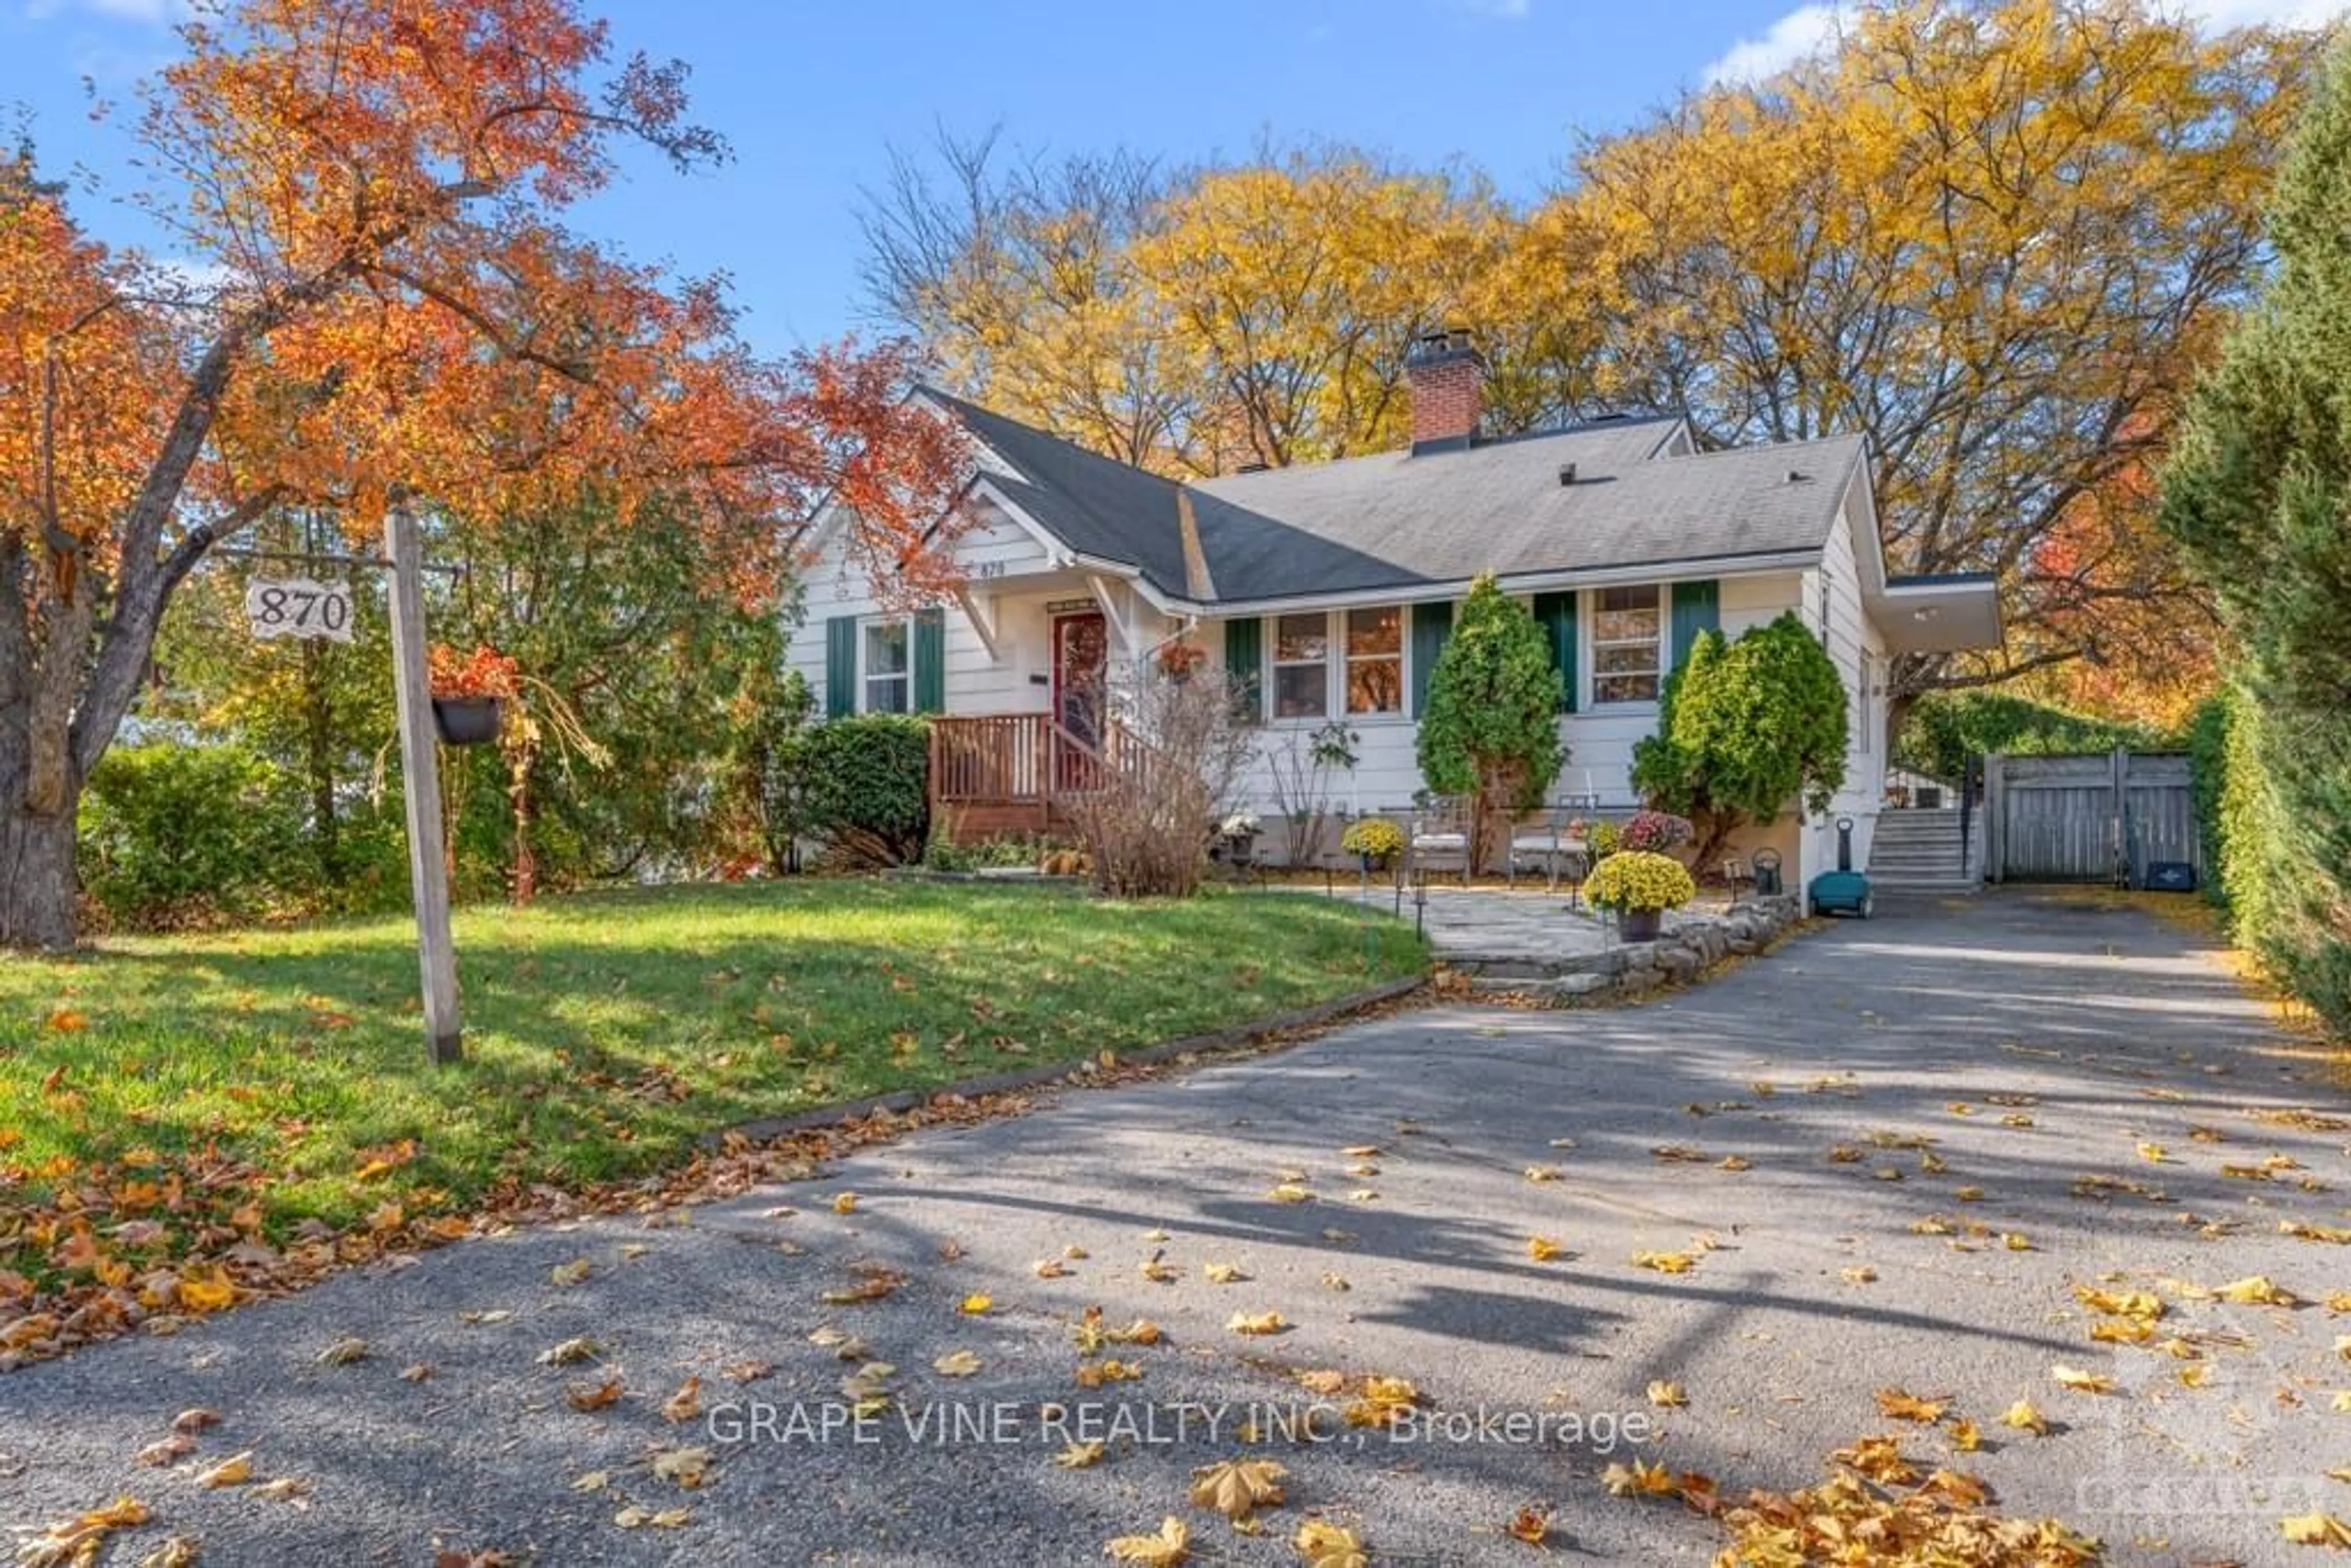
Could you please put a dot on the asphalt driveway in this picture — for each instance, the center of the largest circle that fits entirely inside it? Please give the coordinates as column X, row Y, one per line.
column 1937, row 1124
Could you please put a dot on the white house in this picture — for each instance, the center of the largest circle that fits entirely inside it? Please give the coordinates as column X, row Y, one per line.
column 1327, row 589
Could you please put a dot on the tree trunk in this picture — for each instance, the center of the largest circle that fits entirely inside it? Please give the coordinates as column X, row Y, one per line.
column 37, row 888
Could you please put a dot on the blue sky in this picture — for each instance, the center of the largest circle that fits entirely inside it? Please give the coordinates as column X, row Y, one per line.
column 810, row 95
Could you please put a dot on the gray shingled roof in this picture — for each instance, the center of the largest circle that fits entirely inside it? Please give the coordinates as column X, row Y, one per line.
column 1395, row 520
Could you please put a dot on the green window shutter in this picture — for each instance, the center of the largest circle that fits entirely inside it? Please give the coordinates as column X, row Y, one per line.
column 1556, row 614
column 1431, row 625
column 840, row 667
column 1698, row 606
column 1245, row 665
column 930, row 659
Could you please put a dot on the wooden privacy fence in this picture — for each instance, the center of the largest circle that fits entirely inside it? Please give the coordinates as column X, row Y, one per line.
column 2094, row 817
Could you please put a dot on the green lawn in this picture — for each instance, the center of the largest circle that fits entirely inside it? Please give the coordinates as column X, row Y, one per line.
column 606, row 1031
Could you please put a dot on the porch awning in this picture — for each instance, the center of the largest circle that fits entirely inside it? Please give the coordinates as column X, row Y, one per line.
column 1940, row 614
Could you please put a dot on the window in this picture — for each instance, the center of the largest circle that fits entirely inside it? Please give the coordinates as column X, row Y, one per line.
column 1627, row 643
column 1375, row 660
column 1301, row 666
column 886, row 661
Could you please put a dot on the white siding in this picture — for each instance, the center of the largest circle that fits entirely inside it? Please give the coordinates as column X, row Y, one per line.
column 1854, row 643
column 1012, row 579
column 1600, row 740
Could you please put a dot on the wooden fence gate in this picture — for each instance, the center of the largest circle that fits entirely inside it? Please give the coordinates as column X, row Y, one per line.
column 2096, row 817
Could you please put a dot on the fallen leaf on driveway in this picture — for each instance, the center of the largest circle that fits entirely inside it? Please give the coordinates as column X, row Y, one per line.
column 594, row 1481
column 957, row 1364
column 1667, row 1396
column 1322, row 1544
column 1907, row 1406
column 2256, row 1290
column 2022, row 1417
column 1665, row 1262
column 685, row 1403
column 1164, row 1550
column 2082, row 1382
column 844, row 1203
column 1237, row 1487
column 1530, row 1524
column 1287, row 1192
column 233, row 1471
column 571, row 1273
column 344, row 1352
column 196, row 1420
column 1542, row 1173
column 1080, row 1455
column 686, row 1467
column 591, row 1396
column 974, row 1304
column 168, row 1451
column 1223, row 1273
column 78, row 1542
column 1258, row 1323
column 2317, row 1530
column 571, row 1352
column 635, row 1518
column 1543, row 1248
column 183, row 1552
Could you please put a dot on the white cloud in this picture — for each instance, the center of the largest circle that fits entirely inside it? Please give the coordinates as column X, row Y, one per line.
column 2221, row 15
column 1811, row 28
column 1801, row 34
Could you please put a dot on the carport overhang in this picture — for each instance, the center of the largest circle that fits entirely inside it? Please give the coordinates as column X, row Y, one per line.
column 1941, row 614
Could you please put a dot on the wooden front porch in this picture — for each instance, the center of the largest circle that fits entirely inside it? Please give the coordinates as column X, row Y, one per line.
column 993, row 775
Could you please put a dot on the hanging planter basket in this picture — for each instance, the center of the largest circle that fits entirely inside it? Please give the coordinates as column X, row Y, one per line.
column 469, row 721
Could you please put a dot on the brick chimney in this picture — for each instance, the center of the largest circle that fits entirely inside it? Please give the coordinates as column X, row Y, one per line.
column 1448, row 389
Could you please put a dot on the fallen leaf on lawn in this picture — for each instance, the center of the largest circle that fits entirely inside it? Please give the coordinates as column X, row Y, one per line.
column 685, row 1403
column 1237, row 1487
column 1667, row 1396
column 844, row 1203
column 978, row 1302
column 2023, row 1417
column 590, row 1396
column 2317, row 1530
column 957, row 1364
column 686, row 1468
column 1665, row 1262
column 344, row 1351
column 1164, row 1550
column 233, row 1471
column 1544, row 1249
column 1257, row 1323
column 2256, row 1290
column 1223, row 1273
column 2082, row 1382
column 571, row 1273
column 571, row 1352
column 1907, row 1406
column 206, row 1293
column 1322, row 1544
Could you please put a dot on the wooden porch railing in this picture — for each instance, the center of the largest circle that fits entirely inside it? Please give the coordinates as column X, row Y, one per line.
column 999, row 773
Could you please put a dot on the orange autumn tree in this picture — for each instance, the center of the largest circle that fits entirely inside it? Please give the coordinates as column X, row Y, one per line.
column 381, row 185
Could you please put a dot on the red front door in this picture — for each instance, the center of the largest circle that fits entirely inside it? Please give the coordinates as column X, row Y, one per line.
column 1079, row 647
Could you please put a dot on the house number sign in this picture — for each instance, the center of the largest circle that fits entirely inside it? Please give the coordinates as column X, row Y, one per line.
column 299, row 607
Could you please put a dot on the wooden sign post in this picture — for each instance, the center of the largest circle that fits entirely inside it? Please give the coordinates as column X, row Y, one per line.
column 428, row 869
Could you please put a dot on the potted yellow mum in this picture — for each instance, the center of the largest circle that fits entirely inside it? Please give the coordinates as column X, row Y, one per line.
column 1640, row 885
